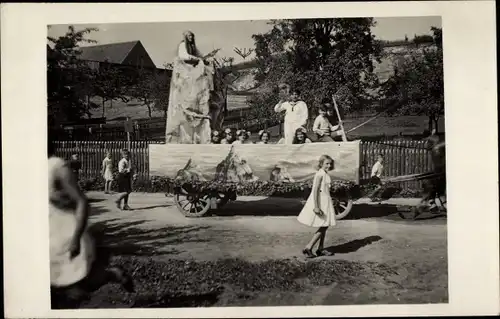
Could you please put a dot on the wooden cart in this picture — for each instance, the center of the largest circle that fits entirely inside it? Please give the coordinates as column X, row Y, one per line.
column 261, row 165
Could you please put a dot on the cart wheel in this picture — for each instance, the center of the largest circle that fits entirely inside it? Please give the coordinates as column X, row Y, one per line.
column 443, row 203
column 343, row 208
column 192, row 205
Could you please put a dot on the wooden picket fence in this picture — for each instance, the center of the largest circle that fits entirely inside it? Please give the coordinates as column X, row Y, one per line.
column 403, row 157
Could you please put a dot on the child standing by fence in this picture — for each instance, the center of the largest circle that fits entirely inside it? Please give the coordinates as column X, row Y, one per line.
column 124, row 180
column 318, row 210
column 76, row 165
column 107, row 172
column 377, row 170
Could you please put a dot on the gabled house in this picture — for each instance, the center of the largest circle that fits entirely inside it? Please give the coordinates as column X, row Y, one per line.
column 128, row 57
column 131, row 54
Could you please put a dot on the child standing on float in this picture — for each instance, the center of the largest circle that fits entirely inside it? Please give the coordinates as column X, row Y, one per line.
column 318, row 210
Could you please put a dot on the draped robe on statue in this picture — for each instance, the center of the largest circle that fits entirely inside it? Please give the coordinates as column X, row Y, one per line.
column 188, row 105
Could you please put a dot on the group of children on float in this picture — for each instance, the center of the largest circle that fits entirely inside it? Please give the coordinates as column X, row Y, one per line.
column 322, row 129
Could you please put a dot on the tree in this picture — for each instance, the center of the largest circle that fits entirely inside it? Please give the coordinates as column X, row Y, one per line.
column 437, row 36
column 417, row 86
column 68, row 78
column 110, row 84
column 422, row 39
column 162, row 93
column 152, row 90
column 244, row 53
column 320, row 57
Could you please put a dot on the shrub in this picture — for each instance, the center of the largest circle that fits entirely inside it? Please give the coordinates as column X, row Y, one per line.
column 159, row 184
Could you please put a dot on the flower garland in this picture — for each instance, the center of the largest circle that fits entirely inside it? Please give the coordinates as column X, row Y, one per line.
column 258, row 188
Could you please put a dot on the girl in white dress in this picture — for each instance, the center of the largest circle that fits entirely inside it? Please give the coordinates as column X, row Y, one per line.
column 318, row 210
column 107, row 172
column 76, row 266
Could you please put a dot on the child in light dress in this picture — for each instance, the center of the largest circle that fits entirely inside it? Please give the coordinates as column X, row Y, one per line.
column 77, row 266
column 107, row 172
column 318, row 210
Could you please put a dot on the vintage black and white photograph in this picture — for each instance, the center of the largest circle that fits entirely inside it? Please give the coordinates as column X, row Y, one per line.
column 286, row 162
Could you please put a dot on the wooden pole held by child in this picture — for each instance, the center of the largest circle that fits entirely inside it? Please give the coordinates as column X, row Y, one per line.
column 344, row 137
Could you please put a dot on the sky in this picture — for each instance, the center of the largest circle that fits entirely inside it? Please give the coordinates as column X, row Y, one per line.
column 161, row 38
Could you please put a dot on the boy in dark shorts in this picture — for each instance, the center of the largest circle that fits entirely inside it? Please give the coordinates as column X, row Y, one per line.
column 75, row 165
column 125, row 177
column 377, row 170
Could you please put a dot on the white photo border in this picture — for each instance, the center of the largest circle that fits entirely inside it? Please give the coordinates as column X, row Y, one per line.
column 471, row 125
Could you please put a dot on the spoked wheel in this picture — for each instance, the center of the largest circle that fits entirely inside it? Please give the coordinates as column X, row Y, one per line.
column 424, row 207
column 442, row 204
column 342, row 207
column 192, row 205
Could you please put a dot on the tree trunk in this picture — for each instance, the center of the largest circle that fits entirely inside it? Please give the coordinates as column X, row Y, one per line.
column 103, row 107
column 436, row 121
column 149, row 111
column 430, row 123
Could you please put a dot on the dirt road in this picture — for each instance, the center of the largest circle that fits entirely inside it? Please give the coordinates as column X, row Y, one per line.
column 260, row 230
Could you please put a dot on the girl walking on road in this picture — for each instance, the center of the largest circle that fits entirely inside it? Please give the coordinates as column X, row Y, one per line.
column 77, row 267
column 107, row 172
column 318, row 210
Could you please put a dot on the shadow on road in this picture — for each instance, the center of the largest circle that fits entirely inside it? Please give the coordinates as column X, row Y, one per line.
column 360, row 211
column 151, row 207
column 271, row 206
column 353, row 245
column 96, row 200
column 136, row 238
column 276, row 206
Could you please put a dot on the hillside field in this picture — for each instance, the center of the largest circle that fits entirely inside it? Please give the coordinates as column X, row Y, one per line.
column 384, row 125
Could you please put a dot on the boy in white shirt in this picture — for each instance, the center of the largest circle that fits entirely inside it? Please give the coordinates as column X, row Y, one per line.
column 125, row 178
column 377, row 170
column 296, row 115
column 322, row 126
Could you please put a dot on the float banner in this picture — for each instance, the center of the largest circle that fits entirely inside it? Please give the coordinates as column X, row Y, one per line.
column 253, row 162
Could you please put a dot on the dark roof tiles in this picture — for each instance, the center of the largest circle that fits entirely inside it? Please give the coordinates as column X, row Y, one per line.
column 111, row 53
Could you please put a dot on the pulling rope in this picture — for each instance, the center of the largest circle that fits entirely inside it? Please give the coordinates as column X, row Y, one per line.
column 412, row 177
column 366, row 122
column 372, row 118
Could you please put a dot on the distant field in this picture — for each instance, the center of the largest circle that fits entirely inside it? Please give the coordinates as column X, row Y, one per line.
column 406, row 125
column 391, row 126
column 135, row 110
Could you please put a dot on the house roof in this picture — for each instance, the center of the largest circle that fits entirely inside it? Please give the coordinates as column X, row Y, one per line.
column 112, row 53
